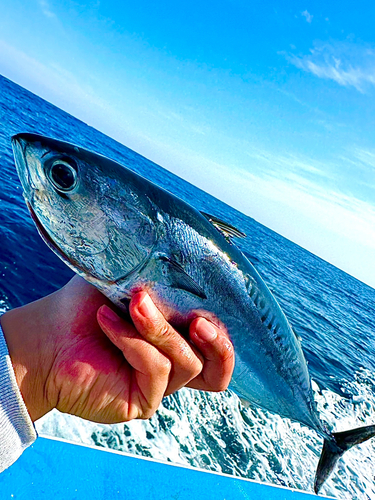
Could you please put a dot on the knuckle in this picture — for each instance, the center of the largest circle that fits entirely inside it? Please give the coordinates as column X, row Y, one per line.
column 161, row 329
column 164, row 366
column 191, row 367
column 218, row 386
column 147, row 413
column 221, row 386
column 196, row 369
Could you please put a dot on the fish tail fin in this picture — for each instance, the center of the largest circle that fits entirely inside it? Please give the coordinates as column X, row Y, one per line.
column 335, row 447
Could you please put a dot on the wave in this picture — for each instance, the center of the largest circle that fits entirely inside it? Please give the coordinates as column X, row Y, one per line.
column 215, row 432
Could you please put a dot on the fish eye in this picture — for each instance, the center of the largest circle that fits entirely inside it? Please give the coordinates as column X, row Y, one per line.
column 63, row 176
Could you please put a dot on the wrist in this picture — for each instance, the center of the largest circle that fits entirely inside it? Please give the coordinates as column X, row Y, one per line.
column 26, row 340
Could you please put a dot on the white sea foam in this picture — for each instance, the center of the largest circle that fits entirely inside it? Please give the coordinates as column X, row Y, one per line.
column 4, row 306
column 215, row 432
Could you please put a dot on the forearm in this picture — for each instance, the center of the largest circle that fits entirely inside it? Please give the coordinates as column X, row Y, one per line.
column 16, row 428
column 26, row 331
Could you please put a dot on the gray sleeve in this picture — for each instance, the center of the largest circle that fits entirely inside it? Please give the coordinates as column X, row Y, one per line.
column 17, row 430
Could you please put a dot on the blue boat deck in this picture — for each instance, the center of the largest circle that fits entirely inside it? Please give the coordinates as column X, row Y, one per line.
column 54, row 469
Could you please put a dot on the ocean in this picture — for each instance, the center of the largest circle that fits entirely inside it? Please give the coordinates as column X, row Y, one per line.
column 331, row 311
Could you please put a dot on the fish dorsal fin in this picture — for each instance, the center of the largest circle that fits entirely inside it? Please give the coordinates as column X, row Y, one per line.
column 226, row 229
column 180, row 279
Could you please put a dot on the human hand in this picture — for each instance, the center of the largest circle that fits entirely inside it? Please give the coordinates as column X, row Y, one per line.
column 72, row 352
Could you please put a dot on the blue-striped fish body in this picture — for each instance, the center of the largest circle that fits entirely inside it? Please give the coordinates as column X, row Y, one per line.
column 123, row 233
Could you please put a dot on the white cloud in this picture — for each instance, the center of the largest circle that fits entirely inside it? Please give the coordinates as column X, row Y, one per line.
column 336, row 212
column 51, row 82
column 289, row 163
column 346, row 63
column 46, row 9
column 366, row 157
column 284, row 192
column 338, row 227
column 291, row 184
column 289, row 194
column 17, row 63
column 303, row 185
column 335, row 226
column 307, row 16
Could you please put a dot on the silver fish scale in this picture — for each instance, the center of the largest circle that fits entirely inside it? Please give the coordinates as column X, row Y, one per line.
column 123, row 233
column 262, row 332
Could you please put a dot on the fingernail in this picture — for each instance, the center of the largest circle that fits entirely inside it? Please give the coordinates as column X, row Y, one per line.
column 109, row 314
column 206, row 331
column 147, row 307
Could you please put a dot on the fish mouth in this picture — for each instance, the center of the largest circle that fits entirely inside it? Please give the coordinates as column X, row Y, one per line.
column 19, row 146
column 43, row 233
column 54, row 247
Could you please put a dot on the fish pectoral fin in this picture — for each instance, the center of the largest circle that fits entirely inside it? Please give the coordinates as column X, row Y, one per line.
column 180, row 279
column 225, row 228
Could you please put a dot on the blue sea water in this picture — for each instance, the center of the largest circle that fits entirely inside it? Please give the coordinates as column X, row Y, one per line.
column 331, row 311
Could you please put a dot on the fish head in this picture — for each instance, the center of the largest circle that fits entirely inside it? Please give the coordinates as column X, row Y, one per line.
column 86, row 207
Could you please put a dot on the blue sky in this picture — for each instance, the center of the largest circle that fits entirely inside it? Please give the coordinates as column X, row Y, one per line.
column 268, row 107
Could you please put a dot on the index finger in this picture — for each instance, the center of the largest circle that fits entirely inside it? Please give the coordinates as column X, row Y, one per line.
column 143, row 376
column 151, row 324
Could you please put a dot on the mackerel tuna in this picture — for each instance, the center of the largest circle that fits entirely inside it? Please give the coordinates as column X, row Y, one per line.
column 122, row 233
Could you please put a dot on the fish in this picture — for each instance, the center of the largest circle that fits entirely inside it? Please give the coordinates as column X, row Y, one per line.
column 122, row 233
